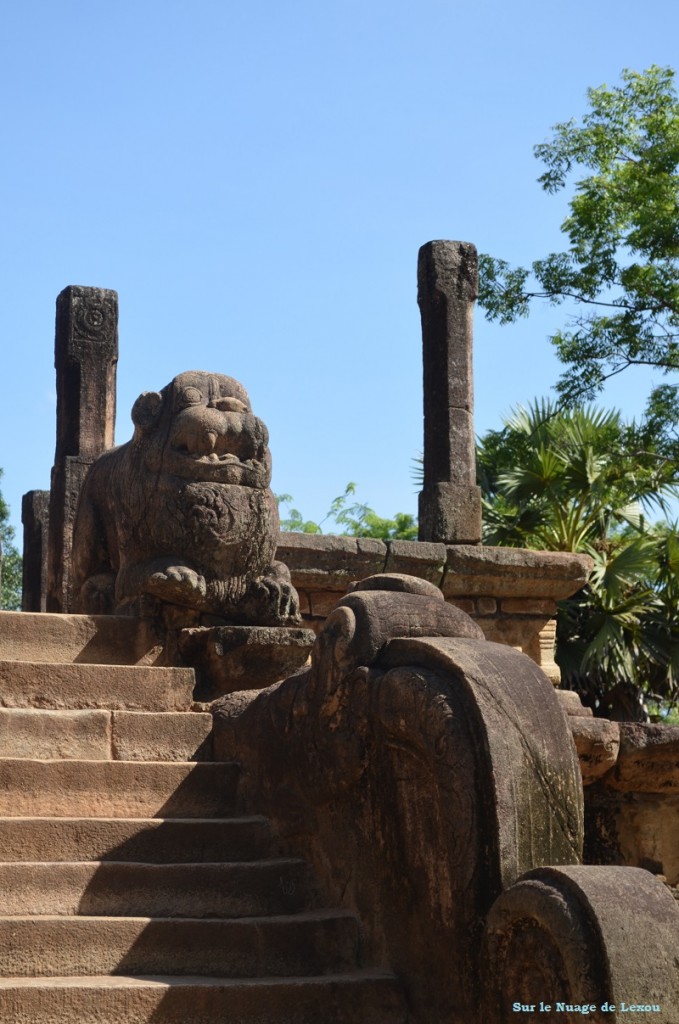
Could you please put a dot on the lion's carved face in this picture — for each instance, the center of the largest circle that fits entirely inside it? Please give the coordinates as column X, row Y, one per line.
column 201, row 428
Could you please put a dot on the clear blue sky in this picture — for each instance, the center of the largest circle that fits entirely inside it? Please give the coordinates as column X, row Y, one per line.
column 255, row 180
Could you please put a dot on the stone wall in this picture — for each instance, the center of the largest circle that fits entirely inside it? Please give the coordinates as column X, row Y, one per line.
column 631, row 776
column 511, row 592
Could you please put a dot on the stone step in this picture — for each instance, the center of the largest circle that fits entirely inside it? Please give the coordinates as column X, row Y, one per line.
column 86, row 639
column 57, row 687
column 316, row 942
column 117, row 789
column 153, row 840
column 359, row 997
column 105, row 735
column 265, row 887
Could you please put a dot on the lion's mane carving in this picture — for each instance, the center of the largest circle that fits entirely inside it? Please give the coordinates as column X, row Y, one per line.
column 182, row 517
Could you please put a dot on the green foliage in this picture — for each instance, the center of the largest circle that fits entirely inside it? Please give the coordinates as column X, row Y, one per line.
column 579, row 480
column 11, row 567
column 354, row 520
column 620, row 272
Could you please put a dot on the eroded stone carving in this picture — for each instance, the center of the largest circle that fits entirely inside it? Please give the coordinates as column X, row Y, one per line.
column 421, row 770
column 181, row 520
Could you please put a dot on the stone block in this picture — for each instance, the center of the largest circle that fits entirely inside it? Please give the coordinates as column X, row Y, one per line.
column 528, row 606
column 229, row 658
column 145, row 736
column 513, row 572
column 323, row 601
column 423, row 559
column 86, row 639
column 485, row 606
column 328, row 562
column 597, row 742
column 514, row 631
column 28, row 733
column 117, row 789
column 572, row 705
column 450, row 513
column 53, row 687
column 648, row 761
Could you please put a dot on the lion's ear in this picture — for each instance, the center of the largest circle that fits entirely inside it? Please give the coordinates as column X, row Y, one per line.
column 146, row 410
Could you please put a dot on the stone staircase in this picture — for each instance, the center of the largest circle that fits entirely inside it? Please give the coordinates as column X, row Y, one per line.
column 133, row 890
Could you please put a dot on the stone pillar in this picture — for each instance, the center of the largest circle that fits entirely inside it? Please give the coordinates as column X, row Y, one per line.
column 85, row 357
column 450, row 501
column 35, row 518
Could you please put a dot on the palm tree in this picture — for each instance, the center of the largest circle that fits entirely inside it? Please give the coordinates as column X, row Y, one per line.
column 583, row 480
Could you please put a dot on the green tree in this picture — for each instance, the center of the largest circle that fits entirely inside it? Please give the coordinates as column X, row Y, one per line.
column 353, row 520
column 619, row 274
column 10, row 567
column 576, row 480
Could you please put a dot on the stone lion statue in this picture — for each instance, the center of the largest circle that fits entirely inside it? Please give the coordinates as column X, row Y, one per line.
column 180, row 521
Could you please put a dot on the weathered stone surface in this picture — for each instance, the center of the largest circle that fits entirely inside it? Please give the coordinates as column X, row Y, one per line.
column 228, row 658
column 87, row 639
column 597, row 742
column 85, row 357
column 328, row 562
column 513, row 572
column 572, row 705
column 583, row 936
column 398, row 583
column 323, row 602
column 648, row 761
column 72, row 687
column 35, row 519
column 148, row 840
column 117, row 789
column 161, row 736
column 312, row 943
column 124, row 889
column 422, row 559
column 515, row 631
column 360, row 995
column 180, row 521
column 528, row 606
column 420, row 774
column 447, row 285
column 636, row 829
column 29, row 733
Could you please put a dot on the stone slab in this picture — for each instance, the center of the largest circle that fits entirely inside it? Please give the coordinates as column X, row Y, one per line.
column 513, row 572
column 29, row 733
column 59, row 687
column 423, row 559
column 168, row 736
column 648, row 761
column 153, row 840
column 333, row 999
column 117, row 789
column 90, row 639
column 123, row 889
column 328, row 562
column 230, row 658
column 316, row 942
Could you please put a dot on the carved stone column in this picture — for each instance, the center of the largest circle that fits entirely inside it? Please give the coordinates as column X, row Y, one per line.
column 85, row 357
column 35, row 518
column 450, row 501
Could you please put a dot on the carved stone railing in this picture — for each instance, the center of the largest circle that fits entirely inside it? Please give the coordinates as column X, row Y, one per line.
column 425, row 772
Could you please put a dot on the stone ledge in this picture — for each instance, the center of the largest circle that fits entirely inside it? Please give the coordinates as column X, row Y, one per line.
column 513, row 572
column 324, row 562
